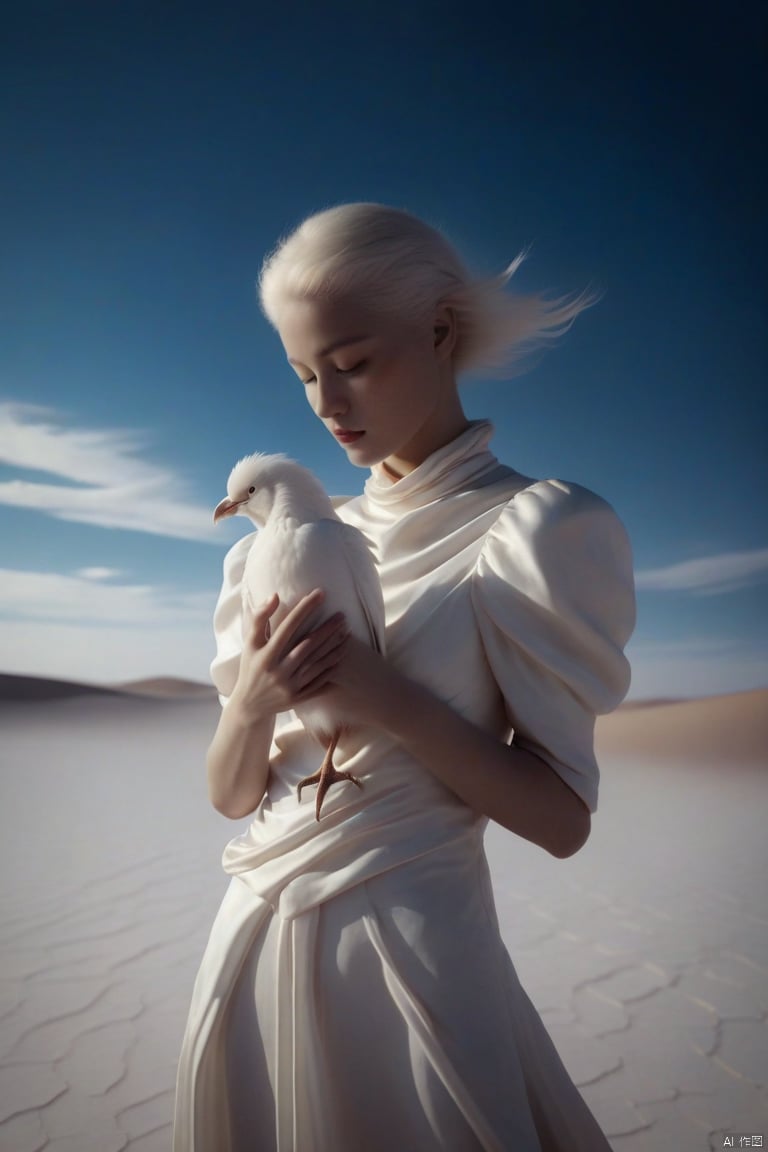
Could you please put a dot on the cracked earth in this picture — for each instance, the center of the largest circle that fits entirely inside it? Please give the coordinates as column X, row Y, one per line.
column 646, row 954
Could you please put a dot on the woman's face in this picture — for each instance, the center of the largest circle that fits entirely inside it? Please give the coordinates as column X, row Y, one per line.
column 384, row 380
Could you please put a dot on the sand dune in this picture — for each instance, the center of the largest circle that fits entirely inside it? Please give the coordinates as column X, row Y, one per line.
column 646, row 954
column 717, row 729
column 14, row 689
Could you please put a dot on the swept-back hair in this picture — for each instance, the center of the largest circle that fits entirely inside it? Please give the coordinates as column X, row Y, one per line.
column 392, row 263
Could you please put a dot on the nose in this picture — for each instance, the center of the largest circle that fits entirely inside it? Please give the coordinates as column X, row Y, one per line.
column 329, row 398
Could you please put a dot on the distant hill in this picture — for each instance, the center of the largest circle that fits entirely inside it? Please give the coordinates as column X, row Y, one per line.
column 655, row 702
column 166, row 686
column 16, row 688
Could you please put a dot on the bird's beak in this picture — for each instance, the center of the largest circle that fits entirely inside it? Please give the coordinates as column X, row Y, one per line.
column 226, row 507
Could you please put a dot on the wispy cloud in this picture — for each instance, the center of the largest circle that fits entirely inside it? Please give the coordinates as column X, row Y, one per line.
column 695, row 666
column 52, row 596
column 98, row 573
column 107, row 481
column 32, row 436
column 707, row 575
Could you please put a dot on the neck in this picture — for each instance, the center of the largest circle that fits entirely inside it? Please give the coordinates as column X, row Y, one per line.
column 450, row 424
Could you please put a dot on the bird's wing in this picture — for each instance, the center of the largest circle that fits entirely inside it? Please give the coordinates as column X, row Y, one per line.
column 334, row 556
column 367, row 582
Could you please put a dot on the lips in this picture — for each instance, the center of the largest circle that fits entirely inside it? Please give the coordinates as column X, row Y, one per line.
column 347, row 437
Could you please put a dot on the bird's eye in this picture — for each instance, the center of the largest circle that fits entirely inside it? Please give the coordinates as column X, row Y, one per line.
column 251, row 490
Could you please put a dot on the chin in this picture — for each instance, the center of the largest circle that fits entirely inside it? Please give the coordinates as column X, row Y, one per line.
column 370, row 459
column 365, row 457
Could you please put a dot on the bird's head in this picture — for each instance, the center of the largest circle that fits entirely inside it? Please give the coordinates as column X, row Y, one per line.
column 251, row 488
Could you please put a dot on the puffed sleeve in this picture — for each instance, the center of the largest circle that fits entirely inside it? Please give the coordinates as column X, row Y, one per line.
column 554, row 598
column 228, row 620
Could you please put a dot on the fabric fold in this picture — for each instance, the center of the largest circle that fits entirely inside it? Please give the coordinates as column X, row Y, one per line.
column 293, row 863
column 422, row 1026
column 455, row 467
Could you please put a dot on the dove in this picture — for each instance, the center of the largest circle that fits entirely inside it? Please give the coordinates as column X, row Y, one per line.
column 301, row 545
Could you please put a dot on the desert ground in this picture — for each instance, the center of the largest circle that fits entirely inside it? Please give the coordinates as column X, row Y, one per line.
column 646, row 953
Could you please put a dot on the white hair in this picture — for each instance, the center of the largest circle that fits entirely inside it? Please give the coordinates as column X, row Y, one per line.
column 393, row 263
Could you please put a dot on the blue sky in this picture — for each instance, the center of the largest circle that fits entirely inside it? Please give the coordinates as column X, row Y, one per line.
column 154, row 153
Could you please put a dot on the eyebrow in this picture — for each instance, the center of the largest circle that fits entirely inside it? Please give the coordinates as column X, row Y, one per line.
column 336, row 344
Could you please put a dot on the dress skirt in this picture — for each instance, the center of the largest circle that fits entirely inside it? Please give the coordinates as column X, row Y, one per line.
column 386, row 1015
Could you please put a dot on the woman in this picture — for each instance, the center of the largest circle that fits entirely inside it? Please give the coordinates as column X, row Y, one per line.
column 355, row 994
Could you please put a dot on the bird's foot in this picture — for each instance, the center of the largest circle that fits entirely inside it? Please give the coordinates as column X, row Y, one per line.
column 326, row 776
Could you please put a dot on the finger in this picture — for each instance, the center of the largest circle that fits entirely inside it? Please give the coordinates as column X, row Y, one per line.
column 307, row 648
column 259, row 620
column 248, row 615
column 318, row 667
column 321, row 682
column 320, row 644
column 264, row 610
column 310, row 689
column 296, row 618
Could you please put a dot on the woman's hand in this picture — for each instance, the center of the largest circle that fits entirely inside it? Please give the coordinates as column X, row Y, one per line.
column 276, row 672
column 363, row 687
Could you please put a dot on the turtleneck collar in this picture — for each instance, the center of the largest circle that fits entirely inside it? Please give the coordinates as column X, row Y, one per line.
column 450, row 469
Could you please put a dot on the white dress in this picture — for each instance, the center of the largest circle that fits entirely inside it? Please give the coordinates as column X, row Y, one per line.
column 355, row 994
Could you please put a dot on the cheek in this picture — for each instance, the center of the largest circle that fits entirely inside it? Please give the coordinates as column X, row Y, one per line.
column 406, row 379
column 415, row 390
column 310, row 396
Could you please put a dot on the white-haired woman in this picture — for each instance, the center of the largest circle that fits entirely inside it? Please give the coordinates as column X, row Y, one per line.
column 355, row 994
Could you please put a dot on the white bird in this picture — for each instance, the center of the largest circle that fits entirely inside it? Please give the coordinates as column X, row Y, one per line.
column 302, row 544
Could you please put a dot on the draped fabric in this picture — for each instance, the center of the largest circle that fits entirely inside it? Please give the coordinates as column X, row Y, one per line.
column 355, row 992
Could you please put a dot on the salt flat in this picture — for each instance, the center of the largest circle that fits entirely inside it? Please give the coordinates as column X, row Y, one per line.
column 646, row 953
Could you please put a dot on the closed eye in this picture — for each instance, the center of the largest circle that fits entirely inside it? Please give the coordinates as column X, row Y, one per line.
column 355, row 368
column 342, row 372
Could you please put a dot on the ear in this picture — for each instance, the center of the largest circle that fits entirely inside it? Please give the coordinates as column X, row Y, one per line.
column 445, row 332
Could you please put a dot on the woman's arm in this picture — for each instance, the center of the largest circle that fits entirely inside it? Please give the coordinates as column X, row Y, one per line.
column 275, row 674
column 510, row 785
column 238, row 758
